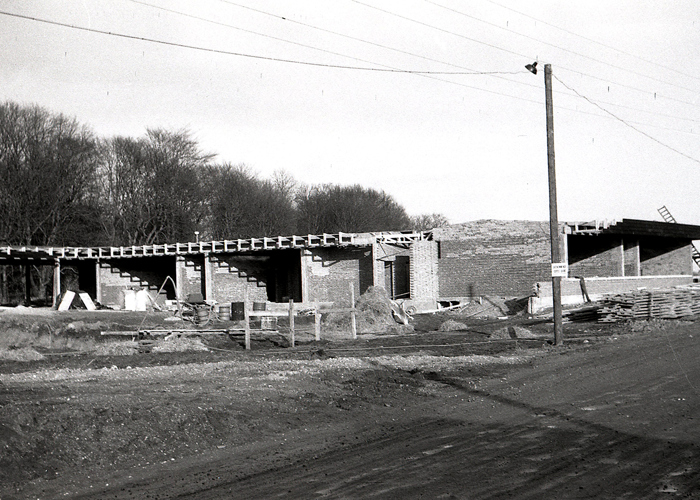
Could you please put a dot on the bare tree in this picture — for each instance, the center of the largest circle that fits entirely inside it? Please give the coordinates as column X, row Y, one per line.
column 152, row 188
column 330, row 208
column 427, row 222
column 47, row 177
column 244, row 206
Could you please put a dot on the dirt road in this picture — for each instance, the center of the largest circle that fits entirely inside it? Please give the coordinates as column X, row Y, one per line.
column 616, row 417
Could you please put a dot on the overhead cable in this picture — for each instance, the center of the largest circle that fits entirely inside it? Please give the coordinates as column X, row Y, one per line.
column 508, row 51
column 675, row 70
column 311, row 26
column 241, row 54
column 558, row 47
column 426, row 74
column 350, row 37
column 625, row 122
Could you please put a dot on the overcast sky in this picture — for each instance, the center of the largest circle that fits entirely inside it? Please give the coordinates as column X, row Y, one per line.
column 469, row 146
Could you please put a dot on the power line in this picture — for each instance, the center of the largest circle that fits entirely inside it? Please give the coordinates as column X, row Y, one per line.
column 626, row 122
column 564, row 108
column 241, row 54
column 442, row 30
column 311, row 26
column 631, row 87
column 425, row 74
column 508, row 51
column 218, row 23
column 556, row 46
column 350, row 37
column 593, row 41
column 389, row 68
column 645, row 111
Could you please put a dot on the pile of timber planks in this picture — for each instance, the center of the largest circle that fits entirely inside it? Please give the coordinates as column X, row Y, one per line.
column 585, row 313
column 672, row 303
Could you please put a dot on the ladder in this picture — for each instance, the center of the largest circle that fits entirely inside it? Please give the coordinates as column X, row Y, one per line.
column 667, row 215
column 669, row 218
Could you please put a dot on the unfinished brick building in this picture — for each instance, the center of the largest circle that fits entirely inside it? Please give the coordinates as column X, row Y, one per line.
column 444, row 266
column 512, row 258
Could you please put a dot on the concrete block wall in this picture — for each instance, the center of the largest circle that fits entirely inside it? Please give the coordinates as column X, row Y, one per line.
column 232, row 275
column 631, row 257
column 117, row 275
column 329, row 271
column 499, row 258
column 591, row 256
column 665, row 257
column 379, row 253
column 424, row 274
column 190, row 275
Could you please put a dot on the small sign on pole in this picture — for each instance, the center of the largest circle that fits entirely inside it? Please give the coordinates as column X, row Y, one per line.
column 560, row 270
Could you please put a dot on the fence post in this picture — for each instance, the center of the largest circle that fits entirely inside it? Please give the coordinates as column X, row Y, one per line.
column 317, row 321
column 353, row 319
column 247, row 319
column 291, row 320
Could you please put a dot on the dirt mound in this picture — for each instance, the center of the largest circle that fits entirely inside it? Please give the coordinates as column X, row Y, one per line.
column 373, row 315
column 452, row 326
column 20, row 354
column 513, row 332
column 116, row 348
column 180, row 344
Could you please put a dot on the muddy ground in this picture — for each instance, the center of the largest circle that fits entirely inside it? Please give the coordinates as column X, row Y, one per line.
column 490, row 412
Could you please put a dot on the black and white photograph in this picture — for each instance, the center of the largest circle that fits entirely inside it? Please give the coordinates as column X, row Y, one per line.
column 349, row 249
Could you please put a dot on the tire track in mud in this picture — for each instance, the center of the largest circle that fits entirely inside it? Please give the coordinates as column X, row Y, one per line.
column 497, row 444
column 541, row 453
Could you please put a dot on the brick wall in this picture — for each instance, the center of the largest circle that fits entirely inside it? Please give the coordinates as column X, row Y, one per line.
column 117, row 275
column 424, row 271
column 330, row 270
column 232, row 275
column 591, row 256
column 665, row 257
column 631, row 247
column 379, row 277
column 500, row 258
column 191, row 275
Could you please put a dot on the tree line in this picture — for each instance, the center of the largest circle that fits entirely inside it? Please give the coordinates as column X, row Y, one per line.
column 62, row 185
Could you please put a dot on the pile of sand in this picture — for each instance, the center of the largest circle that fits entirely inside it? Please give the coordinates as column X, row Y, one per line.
column 452, row 326
column 513, row 332
column 373, row 315
column 116, row 348
column 179, row 344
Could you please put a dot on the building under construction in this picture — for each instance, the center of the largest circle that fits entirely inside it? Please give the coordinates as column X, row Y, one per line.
column 444, row 266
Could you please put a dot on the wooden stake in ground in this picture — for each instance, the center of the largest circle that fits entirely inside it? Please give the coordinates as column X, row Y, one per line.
column 317, row 321
column 291, row 321
column 353, row 319
column 247, row 319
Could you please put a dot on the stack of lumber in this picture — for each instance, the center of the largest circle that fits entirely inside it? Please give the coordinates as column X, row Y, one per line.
column 672, row 303
column 585, row 313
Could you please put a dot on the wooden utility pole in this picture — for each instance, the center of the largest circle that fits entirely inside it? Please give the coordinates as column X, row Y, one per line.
column 553, row 217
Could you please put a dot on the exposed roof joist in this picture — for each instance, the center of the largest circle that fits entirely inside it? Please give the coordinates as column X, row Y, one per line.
column 13, row 254
column 635, row 227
